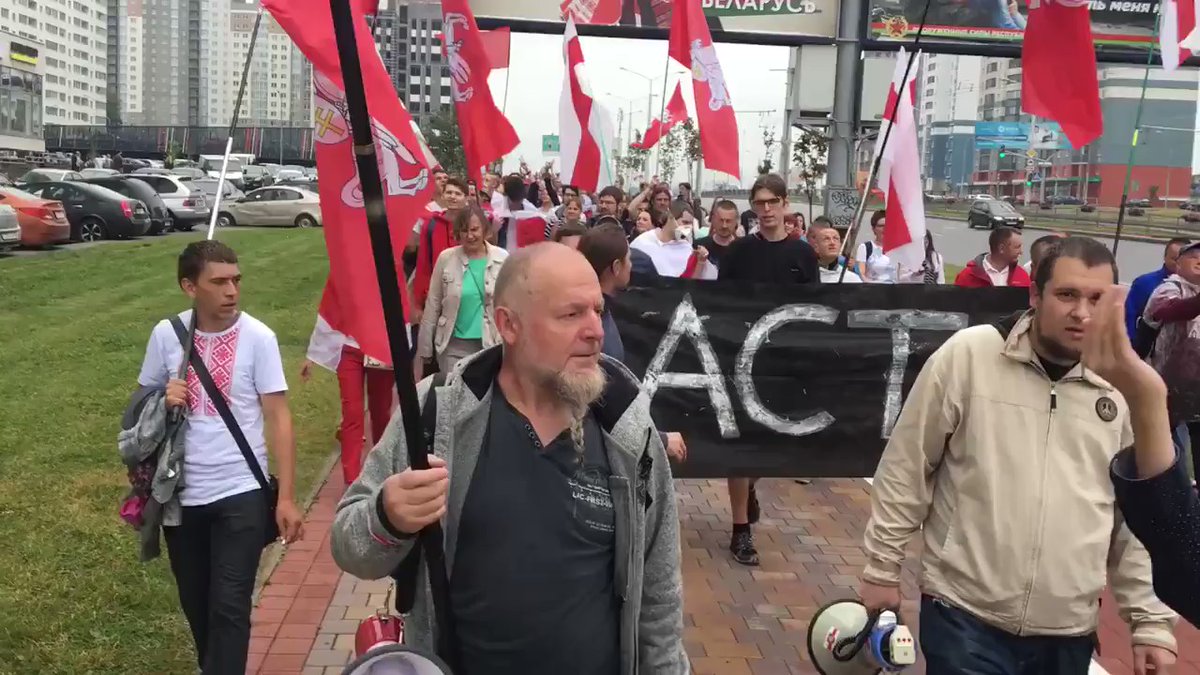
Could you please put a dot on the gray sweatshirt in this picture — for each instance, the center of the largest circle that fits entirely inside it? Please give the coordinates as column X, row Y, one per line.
column 647, row 573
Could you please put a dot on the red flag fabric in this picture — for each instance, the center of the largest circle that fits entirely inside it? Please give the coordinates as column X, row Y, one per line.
column 497, row 44
column 487, row 134
column 692, row 46
column 584, row 128
column 403, row 167
column 1058, row 64
column 900, row 169
column 1176, row 30
column 676, row 113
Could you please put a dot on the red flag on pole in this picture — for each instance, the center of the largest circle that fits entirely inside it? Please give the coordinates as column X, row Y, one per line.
column 900, row 169
column 1058, row 63
column 692, row 46
column 584, row 126
column 497, row 43
column 487, row 134
column 676, row 113
column 402, row 166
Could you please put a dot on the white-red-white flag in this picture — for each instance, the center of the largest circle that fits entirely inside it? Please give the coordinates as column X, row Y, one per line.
column 676, row 113
column 584, row 128
column 691, row 45
column 899, row 175
column 1177, row 37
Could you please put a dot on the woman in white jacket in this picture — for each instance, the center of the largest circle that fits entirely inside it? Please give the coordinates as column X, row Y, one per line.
column 457, row 321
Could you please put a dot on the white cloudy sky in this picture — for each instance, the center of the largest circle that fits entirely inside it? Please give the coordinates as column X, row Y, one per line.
column 756, row 78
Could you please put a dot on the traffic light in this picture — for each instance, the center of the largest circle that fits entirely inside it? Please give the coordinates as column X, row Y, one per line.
column 1028, row 182
column 1003, row 152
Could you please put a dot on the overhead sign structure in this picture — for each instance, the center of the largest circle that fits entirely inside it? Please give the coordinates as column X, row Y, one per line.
column 1042, row 135
column 790, row 17
column 1115, row 23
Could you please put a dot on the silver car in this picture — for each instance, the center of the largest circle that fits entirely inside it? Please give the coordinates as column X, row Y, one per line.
column 273, row 206
column 10, row 229
column 188, row 205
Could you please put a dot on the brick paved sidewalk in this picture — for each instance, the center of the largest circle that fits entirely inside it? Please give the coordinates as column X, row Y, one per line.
column 738, row 620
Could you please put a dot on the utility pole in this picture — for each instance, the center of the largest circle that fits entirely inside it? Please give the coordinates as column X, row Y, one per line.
column 789, row 109
column 846, row 103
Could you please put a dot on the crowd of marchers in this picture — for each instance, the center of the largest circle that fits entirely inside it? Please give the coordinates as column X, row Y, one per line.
column 1039, row 458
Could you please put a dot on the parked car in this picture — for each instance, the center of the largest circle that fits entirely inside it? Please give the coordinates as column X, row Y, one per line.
column 42, row 221
column 299, row 183
column 993, row 213
column 188, row 172
column 160, row 216
column 187, row 205
column 10, row 228
column 1190, row 205
column 209, row 187
column 48, row 176
column 1138, row 203
column 279, row 206
column 96, row 173
column 96, row 212
column 292, row 175
column 4, row 180
column 980, row 197
column 254, row 177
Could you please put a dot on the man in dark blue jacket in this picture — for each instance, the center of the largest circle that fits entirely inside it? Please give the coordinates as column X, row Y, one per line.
column 1143, row 286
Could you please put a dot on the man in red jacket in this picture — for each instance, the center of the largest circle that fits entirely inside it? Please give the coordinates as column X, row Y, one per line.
column 999, row 266
column 436, row 236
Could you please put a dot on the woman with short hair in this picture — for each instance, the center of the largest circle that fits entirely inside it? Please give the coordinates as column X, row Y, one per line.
column 457, row 321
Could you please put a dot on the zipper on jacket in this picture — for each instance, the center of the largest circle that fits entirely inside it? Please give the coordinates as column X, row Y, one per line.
column 1037, row 549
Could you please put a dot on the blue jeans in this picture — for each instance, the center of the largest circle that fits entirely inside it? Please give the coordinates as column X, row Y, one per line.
column 956, row 643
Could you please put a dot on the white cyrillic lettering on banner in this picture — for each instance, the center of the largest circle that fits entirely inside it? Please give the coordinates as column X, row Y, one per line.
column 743, row 377
column 901, row 322
column 686, row 322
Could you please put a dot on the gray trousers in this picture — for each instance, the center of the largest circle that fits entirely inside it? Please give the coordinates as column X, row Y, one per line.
column 456, row 350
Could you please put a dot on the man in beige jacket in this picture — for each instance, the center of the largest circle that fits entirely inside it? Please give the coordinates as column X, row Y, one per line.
column 1000, row 459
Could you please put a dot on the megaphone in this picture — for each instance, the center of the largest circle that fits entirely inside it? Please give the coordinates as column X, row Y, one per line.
column 396, row 659
column 845, row 639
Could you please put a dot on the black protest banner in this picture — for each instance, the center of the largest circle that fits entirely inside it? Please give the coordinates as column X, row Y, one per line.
column 776, row 381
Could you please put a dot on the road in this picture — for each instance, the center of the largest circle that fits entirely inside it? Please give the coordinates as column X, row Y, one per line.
column 957, row 244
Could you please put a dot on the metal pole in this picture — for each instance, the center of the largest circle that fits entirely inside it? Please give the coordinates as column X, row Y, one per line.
column 1137, row 123
column 844, row 118
column 785, row 153
column 212, row 222
column 662, row 111
column 430, row 538
column 852, row 234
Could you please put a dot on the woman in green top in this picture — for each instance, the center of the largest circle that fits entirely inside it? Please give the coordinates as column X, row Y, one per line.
column 458, row 318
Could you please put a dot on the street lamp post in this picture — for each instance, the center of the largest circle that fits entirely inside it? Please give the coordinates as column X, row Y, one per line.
column 649, row 91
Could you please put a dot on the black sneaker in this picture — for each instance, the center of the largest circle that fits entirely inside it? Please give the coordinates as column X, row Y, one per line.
column 742, row 547
column 752, row 509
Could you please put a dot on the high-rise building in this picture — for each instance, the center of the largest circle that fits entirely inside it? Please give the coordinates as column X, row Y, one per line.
column 948, row 92
column 408, row 37
column 74, row 37
column 279, row 84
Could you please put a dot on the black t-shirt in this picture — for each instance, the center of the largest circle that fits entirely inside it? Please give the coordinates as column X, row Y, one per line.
column 1056, row 371
column 715, row 251
column 532, row 587
column 755, row 259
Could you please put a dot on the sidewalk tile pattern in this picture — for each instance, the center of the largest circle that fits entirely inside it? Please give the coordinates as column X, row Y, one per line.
column 738, row 620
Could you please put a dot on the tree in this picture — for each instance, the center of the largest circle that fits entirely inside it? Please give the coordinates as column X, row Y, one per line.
column 634, row 158
column 692, row 149
column 809, row 153
column 444, row 140
column 670, row 151
column 769, row 143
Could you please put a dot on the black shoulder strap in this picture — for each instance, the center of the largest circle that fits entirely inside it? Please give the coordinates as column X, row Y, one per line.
column 430, row 224
column 870, row 249
column 218, row 401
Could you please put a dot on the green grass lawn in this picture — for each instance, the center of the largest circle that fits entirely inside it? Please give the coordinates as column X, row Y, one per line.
column 73, row 597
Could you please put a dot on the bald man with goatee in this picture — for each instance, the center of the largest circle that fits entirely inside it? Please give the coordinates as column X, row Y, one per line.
column 551, row 485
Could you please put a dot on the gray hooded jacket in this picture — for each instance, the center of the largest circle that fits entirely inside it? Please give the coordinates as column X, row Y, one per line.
column 647, row 572
column 144, row 432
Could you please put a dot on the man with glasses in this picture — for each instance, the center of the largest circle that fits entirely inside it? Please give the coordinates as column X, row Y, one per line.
column 768, row 256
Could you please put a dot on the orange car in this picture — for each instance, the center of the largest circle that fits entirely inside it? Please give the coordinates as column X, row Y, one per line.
column 42, row 221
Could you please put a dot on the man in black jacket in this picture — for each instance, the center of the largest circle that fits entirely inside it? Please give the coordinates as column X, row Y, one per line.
column 1152, row 486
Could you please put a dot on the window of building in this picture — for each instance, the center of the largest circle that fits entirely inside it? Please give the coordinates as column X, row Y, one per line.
column 993, row 67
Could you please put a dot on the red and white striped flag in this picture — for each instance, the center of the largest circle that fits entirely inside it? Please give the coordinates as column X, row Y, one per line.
column 676, row 113
column 584, row 128
column 1177, row 37
column 899, row 172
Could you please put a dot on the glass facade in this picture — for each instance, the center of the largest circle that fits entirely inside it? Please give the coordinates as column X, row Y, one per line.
column 20, row 103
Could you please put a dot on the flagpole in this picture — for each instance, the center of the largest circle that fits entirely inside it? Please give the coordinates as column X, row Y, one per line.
column 212, row 221
column 1137, row 123
column 661, row 112
column 856, row 225
column 429, row 538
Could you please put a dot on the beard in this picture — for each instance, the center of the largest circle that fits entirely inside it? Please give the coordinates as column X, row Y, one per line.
column 1052, row 349
column 576, row 390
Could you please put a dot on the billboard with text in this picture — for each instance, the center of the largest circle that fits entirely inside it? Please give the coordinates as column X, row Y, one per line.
column 817, row 18
column 1041, row 135
column 1115, row 23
